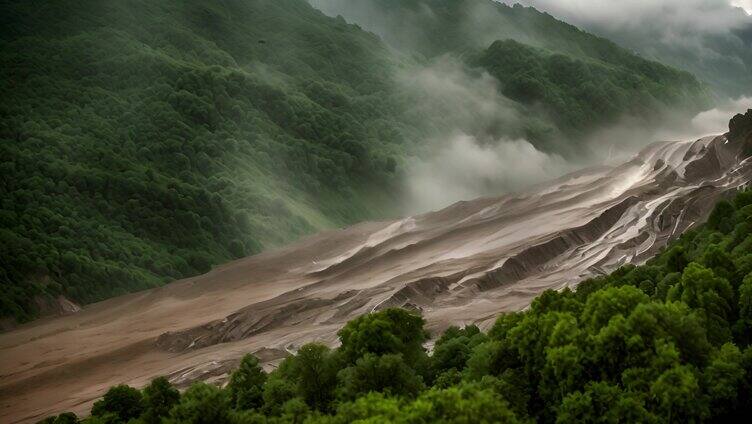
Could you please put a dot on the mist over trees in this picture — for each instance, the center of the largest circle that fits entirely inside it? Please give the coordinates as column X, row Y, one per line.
column 534, row 55
column 579, row 94
column 710, row 38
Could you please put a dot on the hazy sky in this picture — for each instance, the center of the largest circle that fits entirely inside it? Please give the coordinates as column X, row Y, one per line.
column 704, row 15
column 744, row 4
column 700, row 36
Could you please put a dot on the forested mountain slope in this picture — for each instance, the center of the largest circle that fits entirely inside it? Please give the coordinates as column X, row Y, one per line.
column 578, row 80
column 710, row 39
column 724, row 59
column 144, row 141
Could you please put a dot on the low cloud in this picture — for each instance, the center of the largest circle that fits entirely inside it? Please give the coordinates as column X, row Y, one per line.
column 744, row 4
column 664, row 16
column 715, row 121
column 399, row 28
column 470, row 142
column 622, row 140
column 464, row 157
column 445, row 95
column 463, row 168
column 709, row 38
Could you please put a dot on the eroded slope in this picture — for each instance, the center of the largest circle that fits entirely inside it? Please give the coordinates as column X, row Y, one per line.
column 463, row 264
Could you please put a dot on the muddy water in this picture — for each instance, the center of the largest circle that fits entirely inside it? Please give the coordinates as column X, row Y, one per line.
column 463, row 264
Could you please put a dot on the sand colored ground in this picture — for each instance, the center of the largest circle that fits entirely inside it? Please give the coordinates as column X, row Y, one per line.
column 464, row 264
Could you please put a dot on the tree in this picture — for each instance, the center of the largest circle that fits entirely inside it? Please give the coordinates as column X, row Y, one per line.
column 676, row 259
column 678, row 397
column 469, row 331
column 390, row 331
column 512, row 386
column 745, row 299
column 490, row 358
column 448, row 378
column 716, row 259
column 202, row 404
column 711, row 295
column 722, row 217
column 64, row 418
column 450, row 354
column 743, row 327
column 463, row 404
column 387, row 373
column 504, row 323
column 277, row 391
column 159, row 398
column 200, row 262
column 123, row 401
column 562, row 373
column 603, row 403
column 246, row 384
column 236, row 248
column 316, row 372
column 722, row 380
column 295, row 411
column 374, row 406
column 605, row 304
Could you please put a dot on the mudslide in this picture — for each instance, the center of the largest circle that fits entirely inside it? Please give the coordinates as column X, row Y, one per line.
column 464, row 264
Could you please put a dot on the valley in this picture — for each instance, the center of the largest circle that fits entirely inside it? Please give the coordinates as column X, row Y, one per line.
column 461, row 265
column 146, row 142
column 375, row 211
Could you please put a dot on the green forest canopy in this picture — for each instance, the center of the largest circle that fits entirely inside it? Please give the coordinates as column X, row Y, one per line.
column 665, row 342
column 143, row 141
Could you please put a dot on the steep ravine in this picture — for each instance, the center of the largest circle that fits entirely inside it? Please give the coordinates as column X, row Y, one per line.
column 463, row 264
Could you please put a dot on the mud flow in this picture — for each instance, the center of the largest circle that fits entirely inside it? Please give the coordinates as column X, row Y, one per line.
column 464, row 264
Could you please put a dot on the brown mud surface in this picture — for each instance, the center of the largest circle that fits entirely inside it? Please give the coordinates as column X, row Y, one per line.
column 463, row 264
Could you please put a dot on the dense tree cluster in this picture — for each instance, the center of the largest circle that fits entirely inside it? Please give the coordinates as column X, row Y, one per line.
column 665, row 342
